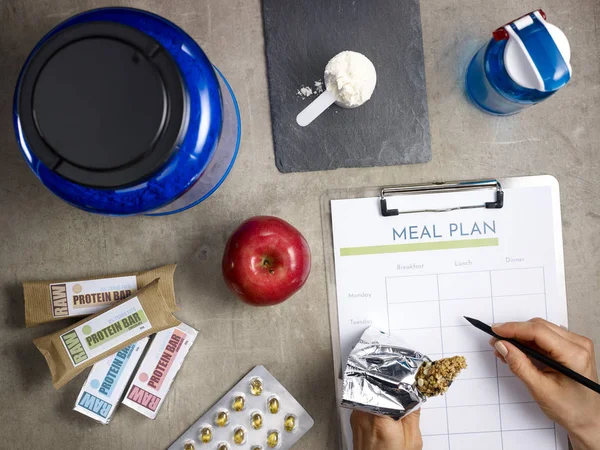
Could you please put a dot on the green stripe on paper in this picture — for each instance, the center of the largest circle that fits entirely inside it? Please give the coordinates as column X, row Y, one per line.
column 418, row 247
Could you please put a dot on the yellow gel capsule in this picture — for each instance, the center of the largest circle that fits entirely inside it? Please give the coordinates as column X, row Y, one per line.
column 206, row 435
column 188, row 446
column 256, row 387
column 238, row 403
column 289, row 423
column 273, row 405
column 273, row 439
column 256, row 421
column 256, row 447
column 223, row 446
column 221, row 418
column 239, row 437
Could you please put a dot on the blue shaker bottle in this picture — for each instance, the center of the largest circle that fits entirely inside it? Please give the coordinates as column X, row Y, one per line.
column 525, row 62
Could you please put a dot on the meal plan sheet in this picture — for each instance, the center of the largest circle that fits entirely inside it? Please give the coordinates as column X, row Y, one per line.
column 416, row 276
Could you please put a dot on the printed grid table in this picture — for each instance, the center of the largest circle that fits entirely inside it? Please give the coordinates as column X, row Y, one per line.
column 487, row 405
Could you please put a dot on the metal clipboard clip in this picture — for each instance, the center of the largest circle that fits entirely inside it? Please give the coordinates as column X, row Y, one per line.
column 450, row 186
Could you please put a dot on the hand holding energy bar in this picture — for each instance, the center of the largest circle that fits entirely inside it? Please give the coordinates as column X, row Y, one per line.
column 386, row 376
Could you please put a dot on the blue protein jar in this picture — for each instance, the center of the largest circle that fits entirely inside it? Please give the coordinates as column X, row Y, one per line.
column 526, row 62
column 118, row 111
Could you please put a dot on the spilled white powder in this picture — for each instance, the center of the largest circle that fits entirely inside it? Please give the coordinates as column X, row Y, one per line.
column 305, row 91
column 351, row 76
column 319, row 87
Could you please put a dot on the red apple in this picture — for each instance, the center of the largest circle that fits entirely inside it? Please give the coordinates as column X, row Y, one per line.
column 266, row 260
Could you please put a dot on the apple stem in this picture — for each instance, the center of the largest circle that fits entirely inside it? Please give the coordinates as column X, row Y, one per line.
column 267, row 264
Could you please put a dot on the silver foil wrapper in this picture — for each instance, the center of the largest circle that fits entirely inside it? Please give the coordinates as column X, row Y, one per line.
column 380, row 376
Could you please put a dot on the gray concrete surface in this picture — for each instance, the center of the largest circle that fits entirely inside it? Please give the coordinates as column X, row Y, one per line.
column 42, row 237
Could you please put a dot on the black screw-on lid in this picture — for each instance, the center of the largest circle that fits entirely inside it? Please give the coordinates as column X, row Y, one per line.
column 102, row 104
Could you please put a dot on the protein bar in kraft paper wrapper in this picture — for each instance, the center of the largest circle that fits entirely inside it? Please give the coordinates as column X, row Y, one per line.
column 78, row 346
column 47, row 301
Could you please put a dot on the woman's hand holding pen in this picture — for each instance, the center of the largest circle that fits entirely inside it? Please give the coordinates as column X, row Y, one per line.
column 563, row 400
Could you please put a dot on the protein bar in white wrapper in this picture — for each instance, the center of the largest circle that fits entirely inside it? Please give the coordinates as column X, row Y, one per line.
column 104, row 387
column 385, row 376
column 157, row 370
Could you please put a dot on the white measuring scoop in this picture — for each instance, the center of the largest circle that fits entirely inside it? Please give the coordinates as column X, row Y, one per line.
column 350, row 78
column 316, row 108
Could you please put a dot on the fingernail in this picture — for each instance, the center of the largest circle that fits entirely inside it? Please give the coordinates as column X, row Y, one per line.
column 496, row 325
column 501, row 348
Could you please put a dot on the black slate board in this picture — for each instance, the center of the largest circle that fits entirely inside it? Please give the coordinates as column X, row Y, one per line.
column 392, row 127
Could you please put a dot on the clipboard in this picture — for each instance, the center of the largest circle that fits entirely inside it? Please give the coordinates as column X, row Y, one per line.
column 387, row 198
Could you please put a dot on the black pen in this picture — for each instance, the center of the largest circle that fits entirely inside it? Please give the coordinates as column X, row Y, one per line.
column 537, row 355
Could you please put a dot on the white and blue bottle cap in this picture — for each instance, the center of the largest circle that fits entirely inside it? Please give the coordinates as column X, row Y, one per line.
column 537, row 54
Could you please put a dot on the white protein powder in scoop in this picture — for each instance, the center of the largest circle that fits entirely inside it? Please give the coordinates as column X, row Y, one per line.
column 351, row 76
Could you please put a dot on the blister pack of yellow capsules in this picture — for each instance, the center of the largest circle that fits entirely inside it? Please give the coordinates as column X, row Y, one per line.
column 257, row 414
